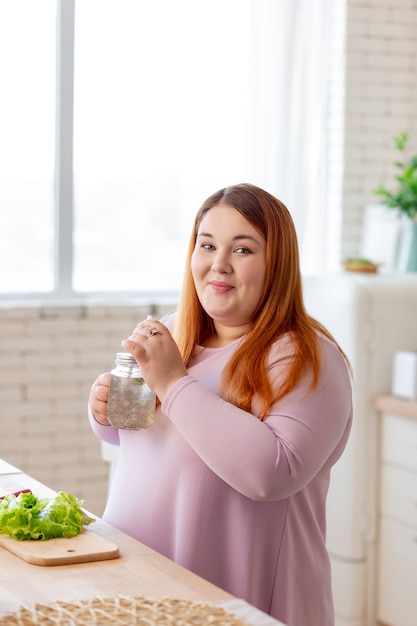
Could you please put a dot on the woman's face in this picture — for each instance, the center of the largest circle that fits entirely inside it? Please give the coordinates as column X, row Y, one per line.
column 228, row 267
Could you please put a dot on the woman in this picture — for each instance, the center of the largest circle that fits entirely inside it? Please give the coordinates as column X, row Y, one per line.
column 255, row 409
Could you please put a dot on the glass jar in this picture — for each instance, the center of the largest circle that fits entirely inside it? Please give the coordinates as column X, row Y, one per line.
column 131, row 402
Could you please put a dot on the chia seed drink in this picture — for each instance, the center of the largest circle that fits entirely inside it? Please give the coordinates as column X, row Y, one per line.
column 131, row 403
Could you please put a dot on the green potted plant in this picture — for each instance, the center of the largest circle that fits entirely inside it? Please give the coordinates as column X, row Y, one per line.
column 403, row 198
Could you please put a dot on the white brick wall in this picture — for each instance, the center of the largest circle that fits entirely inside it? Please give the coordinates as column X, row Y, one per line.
column 380, row 101
column 49, row 357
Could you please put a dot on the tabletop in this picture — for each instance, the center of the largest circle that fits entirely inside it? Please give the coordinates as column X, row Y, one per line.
column 138, row 571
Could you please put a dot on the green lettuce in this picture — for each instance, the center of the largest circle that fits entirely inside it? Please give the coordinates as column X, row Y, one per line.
column 27, row 517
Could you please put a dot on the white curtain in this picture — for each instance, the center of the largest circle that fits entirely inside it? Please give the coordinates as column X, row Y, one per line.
column 290, row 81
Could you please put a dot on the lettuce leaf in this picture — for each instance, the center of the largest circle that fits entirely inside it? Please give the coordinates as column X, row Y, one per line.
column 27, row 517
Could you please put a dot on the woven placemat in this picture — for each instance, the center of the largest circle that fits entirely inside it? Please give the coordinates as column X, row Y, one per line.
column 123, row 611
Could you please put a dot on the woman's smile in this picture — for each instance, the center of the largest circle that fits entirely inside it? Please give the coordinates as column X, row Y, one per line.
column 220, row 287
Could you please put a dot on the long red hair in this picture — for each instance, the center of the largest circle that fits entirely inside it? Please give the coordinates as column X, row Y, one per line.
column 280, row 309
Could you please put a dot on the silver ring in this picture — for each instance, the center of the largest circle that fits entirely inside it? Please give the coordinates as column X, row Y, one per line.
column 153, row 331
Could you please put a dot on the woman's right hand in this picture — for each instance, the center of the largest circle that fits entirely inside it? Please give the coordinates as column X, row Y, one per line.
column 99, row 394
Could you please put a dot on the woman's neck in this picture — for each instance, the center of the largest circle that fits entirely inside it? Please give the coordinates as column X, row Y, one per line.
column 223, row 335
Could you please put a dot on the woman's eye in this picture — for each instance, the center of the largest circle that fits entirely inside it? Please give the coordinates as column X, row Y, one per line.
column 242, row 250
column 207, row 246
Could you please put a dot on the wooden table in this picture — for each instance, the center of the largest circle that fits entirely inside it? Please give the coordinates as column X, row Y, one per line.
column 139, row 570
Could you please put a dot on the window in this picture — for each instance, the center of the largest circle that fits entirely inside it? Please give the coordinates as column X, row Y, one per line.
column 160, row 119
column 122, row 116
column 27, row 145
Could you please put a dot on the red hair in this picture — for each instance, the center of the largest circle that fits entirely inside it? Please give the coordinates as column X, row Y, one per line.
column 280, row 309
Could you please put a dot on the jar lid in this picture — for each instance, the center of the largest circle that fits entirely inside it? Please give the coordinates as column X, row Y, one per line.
column 125, row 358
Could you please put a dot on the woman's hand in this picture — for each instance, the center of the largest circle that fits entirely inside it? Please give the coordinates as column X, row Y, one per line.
column 99, row 394
column 154, row 348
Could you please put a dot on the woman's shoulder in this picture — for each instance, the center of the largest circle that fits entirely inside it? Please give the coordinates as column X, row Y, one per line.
column 333, row 357
column 286, row 346
column 283, row 347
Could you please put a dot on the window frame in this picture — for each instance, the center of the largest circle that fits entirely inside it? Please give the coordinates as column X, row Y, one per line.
column 63, row 193
column 63, row 197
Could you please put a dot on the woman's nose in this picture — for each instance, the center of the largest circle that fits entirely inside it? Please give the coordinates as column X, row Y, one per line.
column 221, row 264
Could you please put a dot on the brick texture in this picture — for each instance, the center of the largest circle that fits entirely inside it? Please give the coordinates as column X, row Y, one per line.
column 380, row 101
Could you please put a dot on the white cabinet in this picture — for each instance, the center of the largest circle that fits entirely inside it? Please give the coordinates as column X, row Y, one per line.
column 397, row 523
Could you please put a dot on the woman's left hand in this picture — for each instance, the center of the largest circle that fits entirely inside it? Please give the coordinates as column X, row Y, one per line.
column 154, row 348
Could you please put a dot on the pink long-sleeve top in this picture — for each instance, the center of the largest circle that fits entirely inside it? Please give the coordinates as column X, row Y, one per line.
column 239, row 501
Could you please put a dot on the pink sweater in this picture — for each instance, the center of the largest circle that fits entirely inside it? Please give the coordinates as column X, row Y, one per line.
column 239, row 501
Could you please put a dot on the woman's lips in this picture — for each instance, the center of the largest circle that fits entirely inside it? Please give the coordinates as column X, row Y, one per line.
column 220, row 287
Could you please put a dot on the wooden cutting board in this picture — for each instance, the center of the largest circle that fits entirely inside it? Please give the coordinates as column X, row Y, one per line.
column 85, row 547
